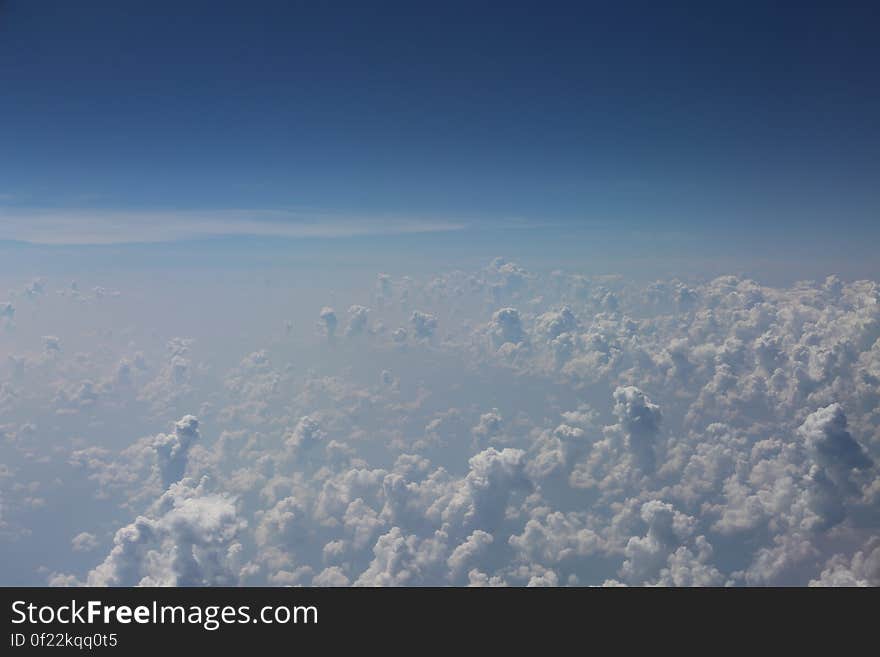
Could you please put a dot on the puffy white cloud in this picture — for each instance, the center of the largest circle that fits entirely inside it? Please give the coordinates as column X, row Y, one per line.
column 480, row 499
column 327, row 322
column 424, row 324
column 506, row 327
column 863, row 569
column 84, row 542
column 556, row 537
column 468, row 552
column 560, row 430
column 476, row 578
column 686, row 567
column 772, row 562
column 332, row 576
column 305, row 435
column 357, row 323
column 831, row 445
column 363, row 522
column 404, row 560
column 173, row 449
column 646, row 555
column 175, row 378
column 546, row 578
column 489, row 426
column 551, row 325
column 640, row 420
column 186, row 540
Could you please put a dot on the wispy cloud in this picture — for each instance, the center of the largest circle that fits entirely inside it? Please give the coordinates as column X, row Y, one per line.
column 126, row 227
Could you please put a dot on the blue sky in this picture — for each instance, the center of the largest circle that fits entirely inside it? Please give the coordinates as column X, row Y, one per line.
column 738, row 116
column 439, row 293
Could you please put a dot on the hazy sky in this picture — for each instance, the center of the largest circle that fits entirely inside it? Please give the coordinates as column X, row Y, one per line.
column 719, row 130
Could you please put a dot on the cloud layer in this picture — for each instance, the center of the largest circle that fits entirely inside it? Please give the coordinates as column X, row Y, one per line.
column 489, row 427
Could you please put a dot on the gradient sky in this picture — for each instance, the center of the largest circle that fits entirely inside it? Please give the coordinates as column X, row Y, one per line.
column 457, row 291
column 754, row 117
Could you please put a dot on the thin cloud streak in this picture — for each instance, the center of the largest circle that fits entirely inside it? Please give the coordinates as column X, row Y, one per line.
column 103, row 227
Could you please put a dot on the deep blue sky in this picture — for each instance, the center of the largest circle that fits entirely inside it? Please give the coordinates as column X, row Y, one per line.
column 636, row 114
